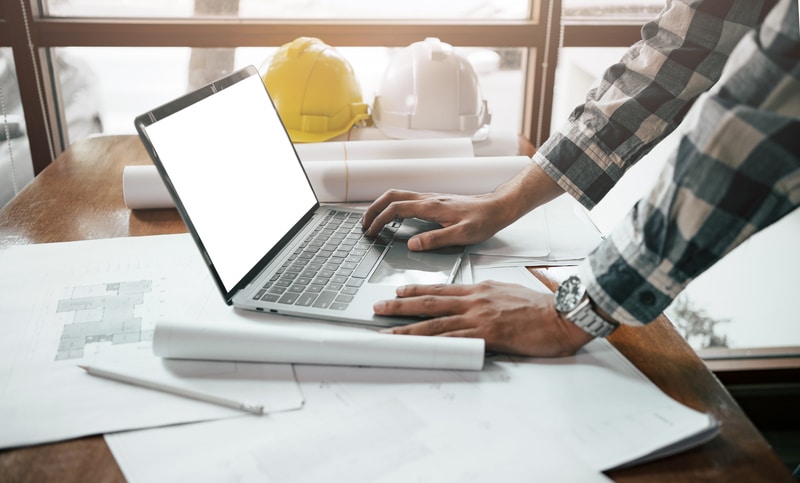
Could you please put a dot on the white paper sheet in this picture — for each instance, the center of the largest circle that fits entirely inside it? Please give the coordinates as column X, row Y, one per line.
column 97, row 301
column 230, row 337
column 559, row 231
column 432, row 436
column 571, row 233
column 385, row 149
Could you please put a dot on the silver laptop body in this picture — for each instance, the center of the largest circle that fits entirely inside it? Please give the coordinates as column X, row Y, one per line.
column 237, row 182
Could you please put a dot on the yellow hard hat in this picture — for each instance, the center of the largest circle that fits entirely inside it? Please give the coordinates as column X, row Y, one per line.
column 315, row 90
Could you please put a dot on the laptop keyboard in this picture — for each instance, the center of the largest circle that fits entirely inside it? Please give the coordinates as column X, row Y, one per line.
column 329, row 267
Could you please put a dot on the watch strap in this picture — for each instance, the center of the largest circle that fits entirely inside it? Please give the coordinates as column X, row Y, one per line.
column 585, row 317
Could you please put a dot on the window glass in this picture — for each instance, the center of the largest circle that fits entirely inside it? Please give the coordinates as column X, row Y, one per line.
column 128, row 81
column 635, row 10
column 16, row 166
column 291, row 9
column 744, row 301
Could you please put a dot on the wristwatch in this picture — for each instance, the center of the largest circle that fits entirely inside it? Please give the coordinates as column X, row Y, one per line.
column 574, row 304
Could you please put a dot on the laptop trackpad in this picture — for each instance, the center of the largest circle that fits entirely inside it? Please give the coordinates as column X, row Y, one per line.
column 401, row 266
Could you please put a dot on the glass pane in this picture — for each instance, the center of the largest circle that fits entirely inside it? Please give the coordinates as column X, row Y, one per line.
column 612, row 9
column 745, row 300
column 291, row 9
column 80, row 95
column 16, row 165
column 129, row 81
column 732, row 304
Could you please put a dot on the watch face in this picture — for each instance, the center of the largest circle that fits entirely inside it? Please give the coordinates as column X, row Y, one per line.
column 569, row 294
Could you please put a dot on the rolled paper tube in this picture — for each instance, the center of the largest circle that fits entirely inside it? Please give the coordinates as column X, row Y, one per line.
column 385, row 149
column 366, row 180
column 360, row 180
column 142, row 188
column 261, row 341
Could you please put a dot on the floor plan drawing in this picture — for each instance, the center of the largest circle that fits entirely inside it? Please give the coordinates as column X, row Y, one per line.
column 106, row 312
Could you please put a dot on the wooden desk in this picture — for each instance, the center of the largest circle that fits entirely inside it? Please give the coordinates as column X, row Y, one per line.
column 79, row 197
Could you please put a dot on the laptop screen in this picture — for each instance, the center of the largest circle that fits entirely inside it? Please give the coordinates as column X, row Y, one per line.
column 234, row 168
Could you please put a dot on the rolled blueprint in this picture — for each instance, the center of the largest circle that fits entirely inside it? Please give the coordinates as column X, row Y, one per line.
column 143, row 189
column 365, row 180
column 385, row 149
column 256, row 341
column 359, row 179
column 496, row 143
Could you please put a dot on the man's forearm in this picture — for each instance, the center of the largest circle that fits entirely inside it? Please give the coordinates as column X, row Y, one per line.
column 529, row 189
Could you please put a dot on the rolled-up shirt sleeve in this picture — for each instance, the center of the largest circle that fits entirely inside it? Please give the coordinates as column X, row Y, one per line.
column 736, row 170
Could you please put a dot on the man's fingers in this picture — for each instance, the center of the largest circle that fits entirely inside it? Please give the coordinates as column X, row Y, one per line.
column 439, row 238
column 451, row 289
column 382, row 210
column 442, row 326
column 422, row 306
column 425, row 301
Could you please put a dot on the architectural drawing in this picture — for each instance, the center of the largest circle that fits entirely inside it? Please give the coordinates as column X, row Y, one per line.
column 102, row 313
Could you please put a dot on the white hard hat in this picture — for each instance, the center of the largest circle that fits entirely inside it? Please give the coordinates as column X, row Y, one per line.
column 429, row 91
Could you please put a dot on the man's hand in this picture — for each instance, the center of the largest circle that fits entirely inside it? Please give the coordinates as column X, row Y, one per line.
column 465, row 219
column 510, row 318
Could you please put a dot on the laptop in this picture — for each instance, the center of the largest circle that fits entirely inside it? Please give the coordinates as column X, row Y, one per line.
column 237, row 182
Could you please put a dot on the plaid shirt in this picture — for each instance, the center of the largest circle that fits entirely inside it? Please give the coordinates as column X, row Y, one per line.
column 732, row 69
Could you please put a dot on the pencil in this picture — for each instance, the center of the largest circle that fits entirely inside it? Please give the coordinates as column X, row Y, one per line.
column 248, row 406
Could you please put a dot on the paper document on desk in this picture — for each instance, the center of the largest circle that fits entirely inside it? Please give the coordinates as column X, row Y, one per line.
column 97, row 301
column 558, row 232
column 428, row 433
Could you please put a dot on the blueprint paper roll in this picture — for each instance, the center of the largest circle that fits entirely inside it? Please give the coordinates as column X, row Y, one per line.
column 260, row 341
column 385, row 149
column 496, row 143
column 360, row 179
column 366, row 180
column 143, row 189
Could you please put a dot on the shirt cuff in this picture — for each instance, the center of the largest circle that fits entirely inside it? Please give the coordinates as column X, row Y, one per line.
column 626, row 281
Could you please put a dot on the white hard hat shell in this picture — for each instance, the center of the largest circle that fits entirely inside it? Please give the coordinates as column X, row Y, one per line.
column 428, row 90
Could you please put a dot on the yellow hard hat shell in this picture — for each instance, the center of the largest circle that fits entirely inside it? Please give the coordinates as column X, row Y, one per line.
column 315, row 90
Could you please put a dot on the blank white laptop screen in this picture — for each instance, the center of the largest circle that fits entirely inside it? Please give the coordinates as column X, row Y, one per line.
column 237, row 173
